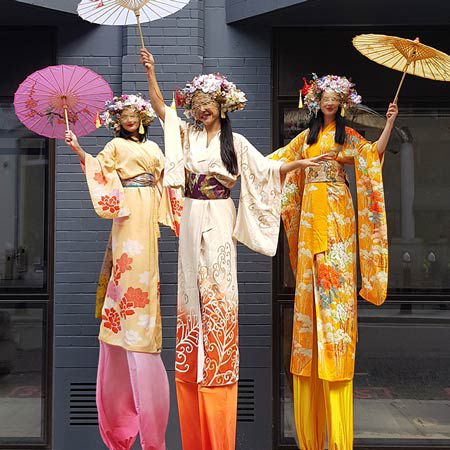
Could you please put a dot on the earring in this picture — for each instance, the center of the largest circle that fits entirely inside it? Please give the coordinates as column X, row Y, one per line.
column 141, row 128
column 97, row 121
column 342, row 111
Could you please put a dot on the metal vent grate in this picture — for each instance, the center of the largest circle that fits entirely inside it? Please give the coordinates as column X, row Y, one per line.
column 83, row 409
column 246, row 400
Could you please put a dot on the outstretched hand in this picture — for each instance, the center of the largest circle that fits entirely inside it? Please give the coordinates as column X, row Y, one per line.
column 317, row 160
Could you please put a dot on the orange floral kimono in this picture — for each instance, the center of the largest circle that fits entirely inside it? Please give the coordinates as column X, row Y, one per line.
column 319, row 220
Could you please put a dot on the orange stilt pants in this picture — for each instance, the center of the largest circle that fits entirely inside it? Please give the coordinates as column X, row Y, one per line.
column 207, row 416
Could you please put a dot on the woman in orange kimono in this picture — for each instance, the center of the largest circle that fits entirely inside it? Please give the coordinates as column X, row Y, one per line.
column 125, row 185
column 319, row 220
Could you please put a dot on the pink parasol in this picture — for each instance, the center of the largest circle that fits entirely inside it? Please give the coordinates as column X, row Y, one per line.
column 58, row 98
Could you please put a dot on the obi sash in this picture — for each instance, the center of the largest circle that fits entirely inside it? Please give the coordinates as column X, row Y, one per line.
column 205, row 187
column 327, row 172
column 142, row 180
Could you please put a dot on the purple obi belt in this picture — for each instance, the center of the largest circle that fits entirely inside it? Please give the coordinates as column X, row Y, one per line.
column 204, row 187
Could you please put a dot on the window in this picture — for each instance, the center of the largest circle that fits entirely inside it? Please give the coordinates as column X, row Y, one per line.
column 23, row 383
column 24, row 176
column 26, row 254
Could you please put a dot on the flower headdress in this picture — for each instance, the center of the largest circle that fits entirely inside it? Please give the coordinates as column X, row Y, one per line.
column 341, row 86
column 224, row 92
column 111, row 116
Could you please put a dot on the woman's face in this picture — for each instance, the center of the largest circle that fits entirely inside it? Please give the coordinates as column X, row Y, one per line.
column 205, row 109
column 130, row 120
column 329, row 103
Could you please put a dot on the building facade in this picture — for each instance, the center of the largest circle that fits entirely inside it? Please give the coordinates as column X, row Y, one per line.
column 53, row 243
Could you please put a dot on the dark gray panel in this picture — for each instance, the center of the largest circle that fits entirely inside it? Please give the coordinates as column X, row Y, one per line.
column 76, row 419
column 60, row 5
column 243, row 9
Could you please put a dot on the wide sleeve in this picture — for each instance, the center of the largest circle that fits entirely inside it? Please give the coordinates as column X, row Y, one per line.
column 174, row 129
column 170, row 207
column 291, row 199
column 103, row 279
column 258, row 219
column 372, row 224
column 292, row 151
column 105, row 187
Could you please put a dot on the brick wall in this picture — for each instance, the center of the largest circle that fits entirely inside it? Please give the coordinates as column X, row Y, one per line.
column 194, row 40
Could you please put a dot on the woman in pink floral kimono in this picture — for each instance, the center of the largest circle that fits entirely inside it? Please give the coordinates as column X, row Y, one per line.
column 125, row 185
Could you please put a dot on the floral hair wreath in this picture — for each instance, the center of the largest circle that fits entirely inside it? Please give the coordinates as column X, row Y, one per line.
column 312, row 92
column 111, row 116
column 224, row 92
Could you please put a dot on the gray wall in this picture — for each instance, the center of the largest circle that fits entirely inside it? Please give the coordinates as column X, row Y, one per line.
column 60, row 5
column 194, row 40
column 244, row 9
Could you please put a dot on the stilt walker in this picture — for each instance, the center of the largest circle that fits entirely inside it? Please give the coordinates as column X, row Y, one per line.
column 205, row 159
column 125, row 185
column 320, row 226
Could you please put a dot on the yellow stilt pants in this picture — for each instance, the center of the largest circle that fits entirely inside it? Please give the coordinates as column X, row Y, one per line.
column 321, row 405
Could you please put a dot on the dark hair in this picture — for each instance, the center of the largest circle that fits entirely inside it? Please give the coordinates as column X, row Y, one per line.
column 316, row 123
column 122, row 133
column 227, row 151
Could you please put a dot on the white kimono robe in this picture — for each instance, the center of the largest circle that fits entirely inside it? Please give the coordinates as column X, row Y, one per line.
column 207, row 324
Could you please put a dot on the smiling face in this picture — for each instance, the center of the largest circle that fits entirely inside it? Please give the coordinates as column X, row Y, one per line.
column 205, row 109
column 130, row 120
column 329, row 103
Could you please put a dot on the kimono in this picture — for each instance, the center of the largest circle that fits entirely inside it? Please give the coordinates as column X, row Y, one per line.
column 207, row 350
column 131, row 312
column 319, row 220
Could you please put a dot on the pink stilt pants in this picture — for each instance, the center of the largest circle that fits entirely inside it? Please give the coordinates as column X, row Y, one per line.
column 132, row 398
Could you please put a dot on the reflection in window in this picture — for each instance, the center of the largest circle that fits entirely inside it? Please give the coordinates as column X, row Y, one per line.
column 23, row 176
column 22, row 384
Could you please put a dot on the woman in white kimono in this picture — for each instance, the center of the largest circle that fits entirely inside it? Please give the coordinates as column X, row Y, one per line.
column 125, row 184
column 206, row 159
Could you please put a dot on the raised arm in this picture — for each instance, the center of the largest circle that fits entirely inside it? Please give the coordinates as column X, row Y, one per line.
column 156, row 97
column 383, row 140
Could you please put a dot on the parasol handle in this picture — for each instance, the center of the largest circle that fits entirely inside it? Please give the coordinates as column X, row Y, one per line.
column 137, row 13
column 66, row 117
column 401, row 83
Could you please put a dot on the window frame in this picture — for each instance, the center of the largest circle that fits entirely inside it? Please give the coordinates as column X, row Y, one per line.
column 42, row 297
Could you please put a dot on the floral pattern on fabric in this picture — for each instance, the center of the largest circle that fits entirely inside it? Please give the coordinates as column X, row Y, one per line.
column 204, row 187
column 128, row 290
column 321, row 231
column 207, row 350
